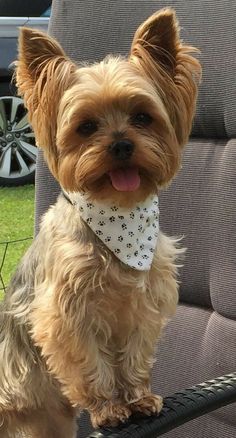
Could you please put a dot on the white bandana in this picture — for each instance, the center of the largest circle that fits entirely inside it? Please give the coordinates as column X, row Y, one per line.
column 130, row 234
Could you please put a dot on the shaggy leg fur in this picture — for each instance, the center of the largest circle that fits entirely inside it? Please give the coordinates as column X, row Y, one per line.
column 86, row 367
column 31, row 403
column 136, row 359
column 134, row 375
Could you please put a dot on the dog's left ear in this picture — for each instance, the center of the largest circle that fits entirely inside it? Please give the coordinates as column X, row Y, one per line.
column 158, row 37
column 160, row 55
column 43, row 74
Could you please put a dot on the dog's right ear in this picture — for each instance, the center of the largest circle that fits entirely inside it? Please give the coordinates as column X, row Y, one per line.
column 36, row 48
column 160, row 55
column 43, row 74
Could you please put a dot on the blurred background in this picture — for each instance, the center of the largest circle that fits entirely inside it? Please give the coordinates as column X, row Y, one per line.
column 18, row 151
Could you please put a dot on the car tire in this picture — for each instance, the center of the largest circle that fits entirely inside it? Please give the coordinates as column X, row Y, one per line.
column 18, row 152
column 10, row 182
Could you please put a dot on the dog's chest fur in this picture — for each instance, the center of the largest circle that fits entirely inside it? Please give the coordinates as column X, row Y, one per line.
column 93, row 286
column 76, row 296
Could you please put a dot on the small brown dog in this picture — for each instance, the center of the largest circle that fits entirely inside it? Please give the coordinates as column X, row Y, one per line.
column 87, row 304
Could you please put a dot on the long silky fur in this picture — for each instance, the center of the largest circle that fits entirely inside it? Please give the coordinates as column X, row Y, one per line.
column 78, row 327
column 70, row 295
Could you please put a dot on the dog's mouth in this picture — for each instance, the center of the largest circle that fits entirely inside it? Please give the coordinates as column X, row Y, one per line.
column 125, row 179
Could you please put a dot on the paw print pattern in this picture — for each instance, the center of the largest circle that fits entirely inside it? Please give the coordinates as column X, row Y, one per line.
column 89, row 205
column 101, row 223
column 131, row 234
column 99, row 232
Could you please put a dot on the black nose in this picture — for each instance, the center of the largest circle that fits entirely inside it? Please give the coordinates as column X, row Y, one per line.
column 122, row 150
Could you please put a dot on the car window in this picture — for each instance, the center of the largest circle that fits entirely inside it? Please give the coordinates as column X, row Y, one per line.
column 47, row 13
column 24, row 8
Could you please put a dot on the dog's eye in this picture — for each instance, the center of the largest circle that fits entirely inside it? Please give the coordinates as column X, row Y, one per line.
column 141, row 119
column 88, row 127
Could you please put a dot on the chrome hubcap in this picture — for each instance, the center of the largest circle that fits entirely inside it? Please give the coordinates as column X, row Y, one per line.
column 9, row 137
column 18, row 152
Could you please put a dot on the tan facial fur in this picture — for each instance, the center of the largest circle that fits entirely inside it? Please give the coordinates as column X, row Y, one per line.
column 159, row 78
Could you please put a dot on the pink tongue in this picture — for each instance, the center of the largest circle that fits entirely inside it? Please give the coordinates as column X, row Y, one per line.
column 125, row 180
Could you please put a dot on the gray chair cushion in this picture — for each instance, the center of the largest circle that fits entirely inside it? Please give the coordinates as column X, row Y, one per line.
column 90, row 29
column 199, row 343
column 201, row 206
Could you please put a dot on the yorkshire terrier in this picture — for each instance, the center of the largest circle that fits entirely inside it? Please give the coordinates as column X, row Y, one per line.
column 84, row 310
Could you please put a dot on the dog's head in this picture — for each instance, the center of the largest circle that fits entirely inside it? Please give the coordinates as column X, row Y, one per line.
column 113, row 129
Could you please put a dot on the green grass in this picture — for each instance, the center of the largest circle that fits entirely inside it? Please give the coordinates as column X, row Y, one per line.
column 16, row 222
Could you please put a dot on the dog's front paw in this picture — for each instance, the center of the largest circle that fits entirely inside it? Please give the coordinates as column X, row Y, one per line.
column 149, row 404
column 110, row 414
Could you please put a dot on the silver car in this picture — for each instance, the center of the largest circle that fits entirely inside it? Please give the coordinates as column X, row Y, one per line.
column 17, row 143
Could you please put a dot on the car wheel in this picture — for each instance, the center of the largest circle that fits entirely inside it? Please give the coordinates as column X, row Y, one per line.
column 18, row 152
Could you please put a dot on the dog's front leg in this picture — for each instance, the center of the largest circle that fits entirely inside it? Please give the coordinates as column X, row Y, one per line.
column 135, row 363
column 77, row 355
column 89, row 382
